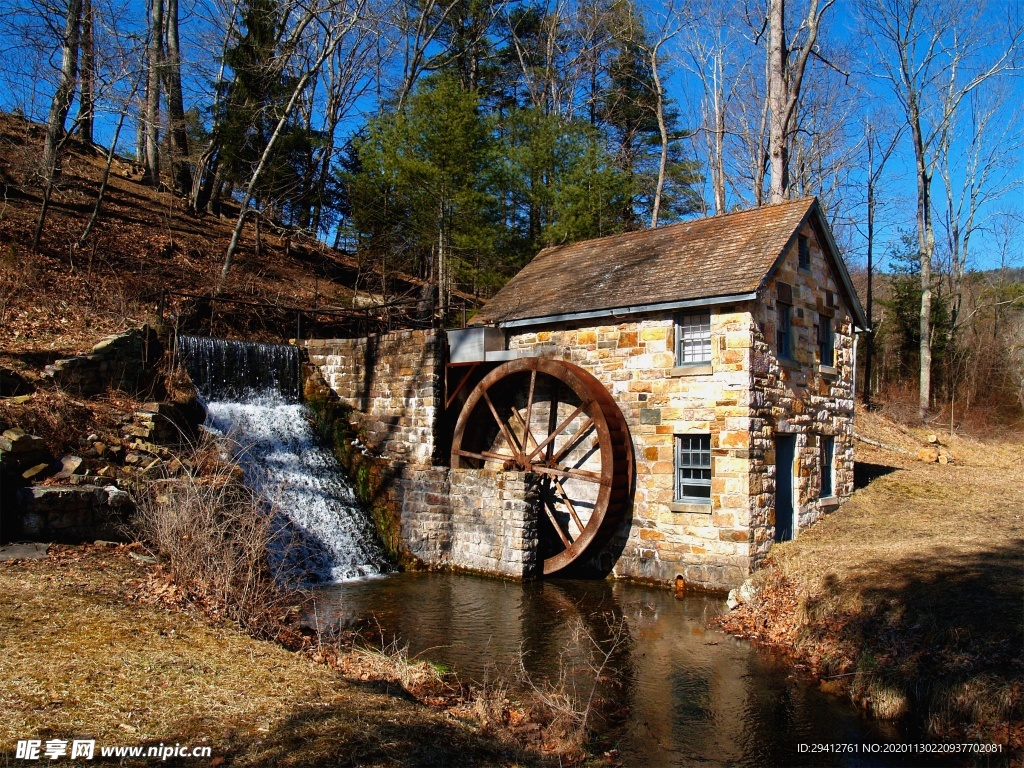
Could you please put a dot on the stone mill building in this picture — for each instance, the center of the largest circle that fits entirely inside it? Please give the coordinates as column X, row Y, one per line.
column 651, row 405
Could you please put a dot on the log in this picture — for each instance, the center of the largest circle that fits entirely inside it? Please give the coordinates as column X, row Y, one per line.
column 928, row 455
column 933, row 439
column 943, row 459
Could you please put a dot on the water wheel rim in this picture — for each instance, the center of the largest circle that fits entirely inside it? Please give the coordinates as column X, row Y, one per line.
column 613, row 443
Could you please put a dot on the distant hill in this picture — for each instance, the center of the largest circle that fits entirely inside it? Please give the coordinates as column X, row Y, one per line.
column 144, row 242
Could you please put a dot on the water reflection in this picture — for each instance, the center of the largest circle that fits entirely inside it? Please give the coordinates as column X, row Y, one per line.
column 672, row 690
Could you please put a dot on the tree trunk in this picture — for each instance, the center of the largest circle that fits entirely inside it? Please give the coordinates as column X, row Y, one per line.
column 926, row 246
column 869, row 350
column 155, row 54
column 87, row 107
column 59, row 107
column 778, row 96
column 663, row 133
column 176, row 105
column 718, row 136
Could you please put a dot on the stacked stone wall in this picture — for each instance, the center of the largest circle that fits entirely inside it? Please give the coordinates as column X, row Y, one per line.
column 805, row 397
column 474, row 520
column 117, row 362
column 393, row 384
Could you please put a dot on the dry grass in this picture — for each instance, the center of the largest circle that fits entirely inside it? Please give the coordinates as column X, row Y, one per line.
column 911, row 593
column 79, row 655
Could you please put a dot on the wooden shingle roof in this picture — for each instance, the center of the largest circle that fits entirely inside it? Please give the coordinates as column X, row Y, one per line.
column 718, row 256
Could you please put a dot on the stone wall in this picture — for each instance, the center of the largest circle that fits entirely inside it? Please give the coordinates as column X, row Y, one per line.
column 808, row 397
column 393, row 384
column 116, row 362
column 475, row 520
column 73, row 514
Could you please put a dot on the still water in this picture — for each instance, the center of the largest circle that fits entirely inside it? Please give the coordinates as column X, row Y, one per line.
column 673, row 690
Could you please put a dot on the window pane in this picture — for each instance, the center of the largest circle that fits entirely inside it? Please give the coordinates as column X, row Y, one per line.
column 783, row 333
column 827, row 456
column 693, row 468
column 825, row 345
column 693, row 334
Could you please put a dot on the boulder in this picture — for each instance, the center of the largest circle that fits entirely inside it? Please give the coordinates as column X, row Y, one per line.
column 69, row 466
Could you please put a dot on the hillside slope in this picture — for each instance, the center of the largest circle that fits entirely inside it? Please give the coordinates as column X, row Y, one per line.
column 63, row 298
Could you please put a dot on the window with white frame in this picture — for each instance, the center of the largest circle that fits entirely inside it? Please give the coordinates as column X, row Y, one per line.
column 693, row 338
column 828, row 449
column 693, row 469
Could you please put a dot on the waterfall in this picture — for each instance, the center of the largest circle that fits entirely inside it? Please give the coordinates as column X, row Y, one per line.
column 239, row 370
column 251, row 393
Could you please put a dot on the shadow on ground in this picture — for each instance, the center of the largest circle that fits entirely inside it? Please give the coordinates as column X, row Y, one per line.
column 865, row 473
column 370, row 731
column 941, row 629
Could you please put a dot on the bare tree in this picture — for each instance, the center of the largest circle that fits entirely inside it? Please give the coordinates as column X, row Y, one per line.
column 175, row 104
column 668, row 23
column 336, row 21
column 880, row 148
column 706, row 58
column 975, row 173
column 201, row 175
column 154, row 66
column 86, row 101
column 933, row 54
column 787, row 64
column 60, row 106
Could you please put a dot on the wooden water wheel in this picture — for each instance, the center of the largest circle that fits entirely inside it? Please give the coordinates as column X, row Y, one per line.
column 553, row 418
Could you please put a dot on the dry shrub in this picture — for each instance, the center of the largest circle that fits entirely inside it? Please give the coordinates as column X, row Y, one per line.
column 573, row 702
column 218, row 536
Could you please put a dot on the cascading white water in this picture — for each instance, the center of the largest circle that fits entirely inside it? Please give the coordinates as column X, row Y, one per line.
column 252, row 399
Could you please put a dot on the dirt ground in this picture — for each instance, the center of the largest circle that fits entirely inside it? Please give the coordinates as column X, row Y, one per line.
column 84, row 653
column 910, row 596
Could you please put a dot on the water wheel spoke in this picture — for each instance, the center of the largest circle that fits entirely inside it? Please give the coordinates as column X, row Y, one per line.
column 550, row 509
column 572, row 441
column 582, row 474
column 549, row 440
column 527, row 432
column 486, row 456
column 569, row 505
column 513, row 444
column 528, row 437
